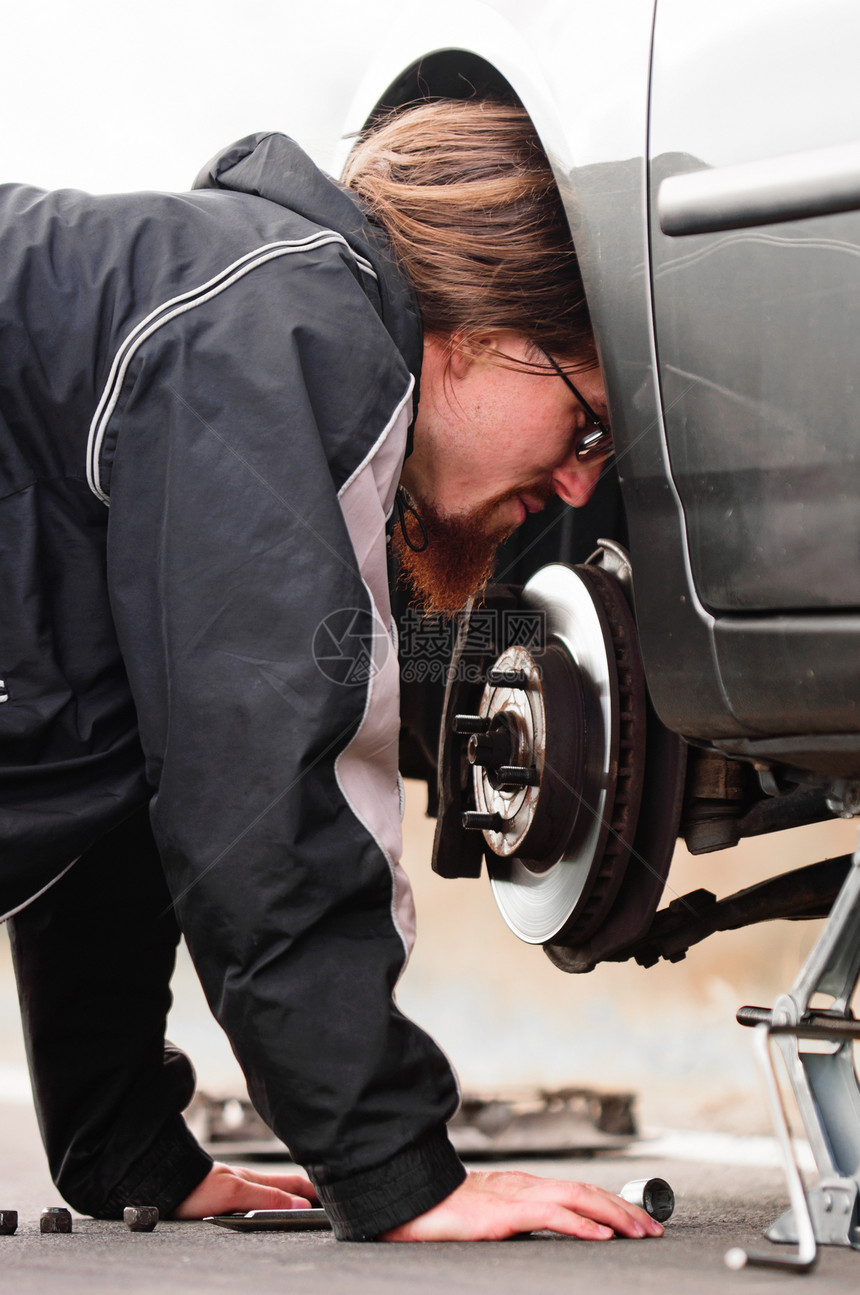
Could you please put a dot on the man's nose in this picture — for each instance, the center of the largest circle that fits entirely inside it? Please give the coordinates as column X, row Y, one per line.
column 575, row 482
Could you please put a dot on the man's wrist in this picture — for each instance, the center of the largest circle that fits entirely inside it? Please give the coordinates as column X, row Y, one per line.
column 369, row 1203
column 168, row 1171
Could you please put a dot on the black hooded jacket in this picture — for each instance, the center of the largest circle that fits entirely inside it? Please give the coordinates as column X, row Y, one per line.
column 204, row 403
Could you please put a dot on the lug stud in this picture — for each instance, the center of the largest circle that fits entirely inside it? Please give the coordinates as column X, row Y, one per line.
column 517, row 775
column 471, row 723
column 473, row 821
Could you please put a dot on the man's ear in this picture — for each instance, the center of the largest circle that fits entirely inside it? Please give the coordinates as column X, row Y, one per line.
column 465, row 350
column 447, row 356
column 461, row 357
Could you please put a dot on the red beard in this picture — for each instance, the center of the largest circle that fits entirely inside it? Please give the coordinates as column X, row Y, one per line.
column 458, row 560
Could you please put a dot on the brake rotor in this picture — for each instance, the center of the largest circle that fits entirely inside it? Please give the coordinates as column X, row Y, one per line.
column 557, row 747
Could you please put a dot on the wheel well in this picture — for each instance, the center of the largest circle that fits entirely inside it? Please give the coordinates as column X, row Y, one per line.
column 572, row 536
column 445, row 74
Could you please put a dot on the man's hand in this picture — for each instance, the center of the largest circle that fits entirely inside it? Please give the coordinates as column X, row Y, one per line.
column 490, row 1207
column 226, row 1189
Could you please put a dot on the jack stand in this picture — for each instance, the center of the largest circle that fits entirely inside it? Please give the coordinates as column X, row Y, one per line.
column 825, row 1088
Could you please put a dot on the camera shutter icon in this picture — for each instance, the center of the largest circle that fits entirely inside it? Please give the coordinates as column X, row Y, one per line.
column 350, row 646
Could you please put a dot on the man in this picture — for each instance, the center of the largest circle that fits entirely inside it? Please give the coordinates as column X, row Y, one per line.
column 207, row 401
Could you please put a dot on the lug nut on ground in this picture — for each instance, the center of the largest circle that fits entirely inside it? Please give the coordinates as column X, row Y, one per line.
column 55, row 1219
column 140, row 1218
column 8, row 1222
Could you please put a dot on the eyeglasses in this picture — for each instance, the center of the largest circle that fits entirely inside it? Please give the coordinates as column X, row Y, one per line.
column 596, row 444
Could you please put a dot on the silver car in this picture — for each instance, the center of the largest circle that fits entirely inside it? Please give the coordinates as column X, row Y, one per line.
column 681, row 657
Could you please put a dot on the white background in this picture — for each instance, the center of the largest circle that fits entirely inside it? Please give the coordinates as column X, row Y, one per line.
column 113, row 95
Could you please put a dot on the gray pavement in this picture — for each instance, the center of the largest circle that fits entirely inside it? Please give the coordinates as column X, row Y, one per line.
column 719, row 1205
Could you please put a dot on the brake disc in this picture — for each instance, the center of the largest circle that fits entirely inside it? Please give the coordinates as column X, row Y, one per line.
column 557, row 747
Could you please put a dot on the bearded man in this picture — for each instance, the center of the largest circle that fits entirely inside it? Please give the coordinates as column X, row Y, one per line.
column 209, row 402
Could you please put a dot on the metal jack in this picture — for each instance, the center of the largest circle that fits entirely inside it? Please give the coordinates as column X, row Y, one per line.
column 825, row 1088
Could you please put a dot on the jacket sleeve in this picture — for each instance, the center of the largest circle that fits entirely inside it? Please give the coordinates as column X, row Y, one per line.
column 252, row 618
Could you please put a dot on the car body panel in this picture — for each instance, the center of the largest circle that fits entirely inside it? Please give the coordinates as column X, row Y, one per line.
column 591, row 114
column 737, row 462
column 764, row 447
column 758, row 344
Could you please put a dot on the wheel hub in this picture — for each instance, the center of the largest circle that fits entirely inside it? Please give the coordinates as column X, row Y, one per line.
column 556, row 748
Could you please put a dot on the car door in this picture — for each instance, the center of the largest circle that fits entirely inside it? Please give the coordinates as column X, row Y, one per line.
column 754, row 175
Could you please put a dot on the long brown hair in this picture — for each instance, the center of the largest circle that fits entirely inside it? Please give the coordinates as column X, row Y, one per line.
column 470, row 204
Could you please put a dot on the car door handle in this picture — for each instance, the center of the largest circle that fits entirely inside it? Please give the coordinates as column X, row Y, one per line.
column 816, row 182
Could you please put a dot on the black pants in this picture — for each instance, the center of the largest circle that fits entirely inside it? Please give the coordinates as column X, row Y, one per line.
column 93, row 959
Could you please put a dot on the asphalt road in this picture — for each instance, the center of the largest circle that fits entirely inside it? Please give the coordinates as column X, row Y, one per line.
column 718, row 1205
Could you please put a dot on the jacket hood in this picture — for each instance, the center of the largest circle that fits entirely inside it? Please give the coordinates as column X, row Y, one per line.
column 274, row 167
